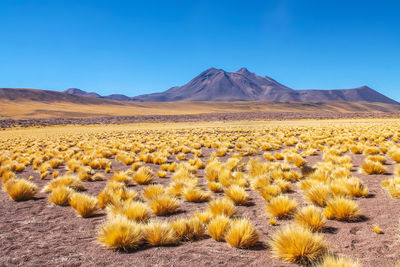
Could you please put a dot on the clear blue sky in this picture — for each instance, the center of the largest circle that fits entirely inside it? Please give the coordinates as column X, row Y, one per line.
column 136, row 47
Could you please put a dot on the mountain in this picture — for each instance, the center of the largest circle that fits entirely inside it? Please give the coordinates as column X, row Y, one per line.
column 243, row 85
column 76, row 91
column 48, row 96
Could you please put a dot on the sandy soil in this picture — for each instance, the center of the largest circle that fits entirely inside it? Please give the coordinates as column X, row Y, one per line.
column 35, row 233
column 225, row 116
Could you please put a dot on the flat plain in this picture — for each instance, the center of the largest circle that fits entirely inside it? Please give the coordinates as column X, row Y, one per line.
column 266, row 173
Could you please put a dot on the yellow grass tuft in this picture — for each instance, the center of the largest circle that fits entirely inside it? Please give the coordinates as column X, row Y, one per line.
column 164, row 204
column 188, row 229
column 281, row 207
column 20, row 189
column 342, row 209
column 194, row 194
column 377, row 229
column 318, row 195
column 114, row 193
column 237, row 194
column 72, row 182
column 272, row 221
column 296, row 244
column 144, row 175
column 152, row 191
column 310, row 217
column 135, row 210
column 222, row 206
column 160, row 233
column 241, row 234
column 61, row 195
column 85, row 205
column 120, row 233
column 372, row 167
column 162, row 174
column 218, row 227
column 337, row 261
column 215, row 187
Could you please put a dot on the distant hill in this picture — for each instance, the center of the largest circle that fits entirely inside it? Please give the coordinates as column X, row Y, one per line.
column 76, row 91
column 243, row 85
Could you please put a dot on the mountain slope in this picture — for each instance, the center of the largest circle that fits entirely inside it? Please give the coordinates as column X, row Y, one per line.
column 76, row 91
column 243, row 85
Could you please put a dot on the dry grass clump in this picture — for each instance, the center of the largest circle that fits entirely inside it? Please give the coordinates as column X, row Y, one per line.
column 281, row 207
column 392, row 186
column 70, row 181
column 310, row 217
column 194, row 194
column 162, row 174
column 342, row 209
column 338, row 261
column 189, row 229
column 215, row 187
column 222, row 206
column 237, row 194
column 20, row 189
column 204, row 216
column 160, row 233
column 218, row 227
column 373, row 167
column 394, row 154
column 319, row 195
column 61, row 195
column 241, row 234
column 85, row 205
column 297, row 244
column 164, row 204
column 120, row 233
column 114, row 193
column 152, row 191
column 377, row 229
column 135, row 210
column 144, row 175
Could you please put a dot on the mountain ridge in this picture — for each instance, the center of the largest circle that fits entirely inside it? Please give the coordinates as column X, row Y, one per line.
column 243, row 85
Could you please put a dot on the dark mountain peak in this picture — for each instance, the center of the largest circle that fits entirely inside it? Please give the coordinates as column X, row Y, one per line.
column 77, row 91
column 74, row 91
column 244, row 71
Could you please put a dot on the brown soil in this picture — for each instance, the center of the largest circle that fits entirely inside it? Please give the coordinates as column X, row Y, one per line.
column 35, row 233
column 226, row 116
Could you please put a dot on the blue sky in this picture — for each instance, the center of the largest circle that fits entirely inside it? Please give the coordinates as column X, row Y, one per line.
column 136, row 47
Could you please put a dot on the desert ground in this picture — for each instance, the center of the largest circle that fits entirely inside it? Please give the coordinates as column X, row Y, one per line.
column 345, row 172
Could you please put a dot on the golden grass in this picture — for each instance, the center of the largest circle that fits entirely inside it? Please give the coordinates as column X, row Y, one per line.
column 85, row 205
column 242, row 234
column 164, row 204
column 222, row 206
column 197, row 195
column 338, row 261
column 132, row 210
column 114, row 193
column 61, row 195
column 215, row 187
column 318, row 195
column 152, row 191
column 20, row 189
column 237, row 194
column 121, row 233
column 218, row 227
column 377, row 229
column 310, row 217
column 71, row 181
column 342, row 209
column 295, row 244
column 144, row 175
column 372, row 167
column 281, row 207
column 158, row 233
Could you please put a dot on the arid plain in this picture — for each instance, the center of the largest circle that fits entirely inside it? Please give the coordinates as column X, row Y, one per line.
column 276, row 193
